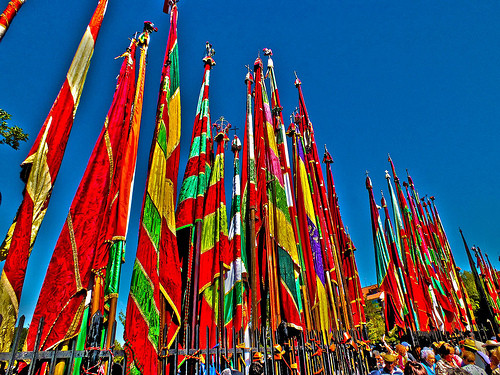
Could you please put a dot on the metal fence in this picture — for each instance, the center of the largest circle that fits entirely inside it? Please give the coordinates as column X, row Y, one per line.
column 283, row 352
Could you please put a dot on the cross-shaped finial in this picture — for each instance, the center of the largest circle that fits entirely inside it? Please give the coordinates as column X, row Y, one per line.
column 234, row 129
column 222, row 125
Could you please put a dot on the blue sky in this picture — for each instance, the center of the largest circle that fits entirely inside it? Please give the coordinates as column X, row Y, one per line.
column 416, row 79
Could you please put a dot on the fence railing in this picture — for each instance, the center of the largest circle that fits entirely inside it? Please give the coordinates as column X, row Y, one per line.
column 283, row 353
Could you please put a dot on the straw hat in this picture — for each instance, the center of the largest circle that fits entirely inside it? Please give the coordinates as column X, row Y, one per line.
column 389, row 358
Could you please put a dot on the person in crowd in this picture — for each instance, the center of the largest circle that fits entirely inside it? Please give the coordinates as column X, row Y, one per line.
column 478, row 344
column 481, row 359
column 428, row 360
column 492, row 348
column 379, row 360
column 402, row 354
column 435, row 347
column 390, row 367
column 469, row 360
column 408, row 351
column 448, row 359
column 414, row 368
column 257, row 366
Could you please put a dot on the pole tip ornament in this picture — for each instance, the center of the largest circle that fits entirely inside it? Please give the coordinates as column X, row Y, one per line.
column 297, row 80
column 208, row 59
column 327, row 158
column 222, row 127
column 168, row 5
column 269, row 52
column 148, row 28
column 236, row 144
column 257, row 63
column 292, row 129
column 249, row 76
column 368, row 182
column 387, row 175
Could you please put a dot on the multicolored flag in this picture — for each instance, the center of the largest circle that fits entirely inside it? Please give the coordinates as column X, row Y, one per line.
column 386, row 272
column 313, row 253
column 346, row 247
column 8, row 15
column 282, row 255
column 398, row 266
column 235, row 303
column 414, row 286
column 154, row 303
column 280, row 132
column 86, row 227
column 483, row 302
column 249, row 208
column 189, row 214
column 332, row 256
column 214, row 247
column 40, row 171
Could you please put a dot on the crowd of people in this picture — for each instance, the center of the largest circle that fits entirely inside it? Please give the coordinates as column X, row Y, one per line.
column 466, row 356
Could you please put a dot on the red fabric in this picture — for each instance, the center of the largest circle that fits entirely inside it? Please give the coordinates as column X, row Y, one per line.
column 10, row 12
column 73, row 257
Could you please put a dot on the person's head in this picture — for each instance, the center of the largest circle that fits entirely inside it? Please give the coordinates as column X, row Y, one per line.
column 401, row 350
column 446, row 351
column 414, row 368
column 492, row 347
column 428, row 356
column 390, row 362
column 468, row 357
column 378, row 358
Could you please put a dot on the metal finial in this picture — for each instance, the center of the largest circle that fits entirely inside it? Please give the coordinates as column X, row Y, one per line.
column 221, row 125
column 367, row 172
column 210, row 50
column 387, row 175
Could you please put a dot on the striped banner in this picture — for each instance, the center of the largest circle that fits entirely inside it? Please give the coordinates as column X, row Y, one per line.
column 315, row 264
column 192, row 195
column 214, row 245
column 41, row 168
column 385, row 268
column 154, row 301
column 346, row 247
column 233, row 282
column 270, row 181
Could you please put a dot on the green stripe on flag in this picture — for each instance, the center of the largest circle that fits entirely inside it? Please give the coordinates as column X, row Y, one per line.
column 152, row 221
column 143, row 294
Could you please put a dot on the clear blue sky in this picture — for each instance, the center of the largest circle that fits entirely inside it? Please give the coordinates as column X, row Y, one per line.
column 416, row 79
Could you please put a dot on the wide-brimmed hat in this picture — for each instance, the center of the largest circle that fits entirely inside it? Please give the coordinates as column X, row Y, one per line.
column 470, row 344
column 491, row 344
column 389, row 358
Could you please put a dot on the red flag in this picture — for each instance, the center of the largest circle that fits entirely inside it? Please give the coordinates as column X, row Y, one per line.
column 72, row 262
column 40, row 169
